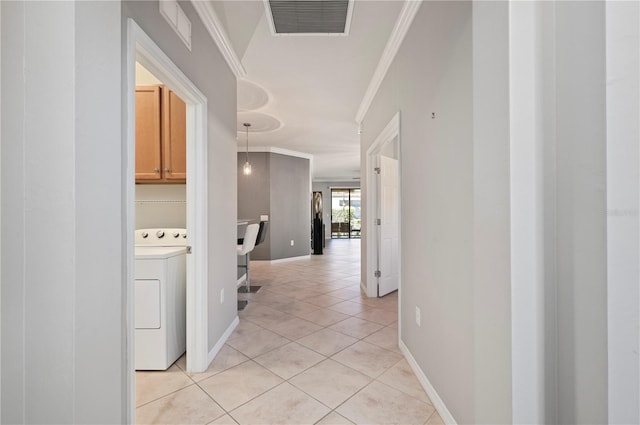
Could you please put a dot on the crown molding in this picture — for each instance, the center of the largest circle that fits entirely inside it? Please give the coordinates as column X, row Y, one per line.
column 219, row 35
column 280, row 151
column 408, row 12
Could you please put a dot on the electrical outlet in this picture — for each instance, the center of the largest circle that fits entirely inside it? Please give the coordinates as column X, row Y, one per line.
column 292, row 242
column 222, row 296
column 418, row 316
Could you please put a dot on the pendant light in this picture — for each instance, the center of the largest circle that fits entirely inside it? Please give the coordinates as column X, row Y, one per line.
column 246, row 169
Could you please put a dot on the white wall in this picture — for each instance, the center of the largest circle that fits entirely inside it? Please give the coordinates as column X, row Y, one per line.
column 161, row 205
column 623, row 189
column 62, row 280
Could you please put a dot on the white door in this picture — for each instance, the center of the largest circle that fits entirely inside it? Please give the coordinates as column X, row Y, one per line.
column 388, row 232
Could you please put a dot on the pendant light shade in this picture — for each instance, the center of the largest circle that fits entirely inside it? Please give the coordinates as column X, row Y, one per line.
column 246, row 169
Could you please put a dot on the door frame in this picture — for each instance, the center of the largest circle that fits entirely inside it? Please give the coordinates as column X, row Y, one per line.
column 141, row 48
column 387, row 135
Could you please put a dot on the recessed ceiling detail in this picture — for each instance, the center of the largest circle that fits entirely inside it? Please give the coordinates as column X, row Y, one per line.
column 260, row 122
column 309, row 17
column 251, row 96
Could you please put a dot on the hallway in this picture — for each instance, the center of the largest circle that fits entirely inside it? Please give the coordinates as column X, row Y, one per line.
column 309, row 349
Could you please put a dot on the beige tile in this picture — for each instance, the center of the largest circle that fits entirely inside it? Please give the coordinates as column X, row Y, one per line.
column 334, row 419
column 256, row 343
column 155, row 384
column 435, row 419
column 378, row 315
column 401, row 377
column 295, row 328
column 263, row 315
column 284, row 404
column 301, row 294
column 324, row 317
column 381, row 404
column 224, row 420
column 227, row 357
column 386, row 338
column 345, row 294
column 356, row 327
column 350, row 308
column 323, row 300
column 289, row 360
column 244, row 327
column 327, row 341
column 330, row 382
column 239, row 384
column 298, row 308
column 189, row 405
column 367, row 358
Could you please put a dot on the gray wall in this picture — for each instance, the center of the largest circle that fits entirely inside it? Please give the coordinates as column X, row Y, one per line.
column 456, row 205
column 254, row 197
column 325, row 188
column 279, row 187
column 432, row 72
column 290, row 206
column 63, row 316
column 207, row 69
column 580, row 210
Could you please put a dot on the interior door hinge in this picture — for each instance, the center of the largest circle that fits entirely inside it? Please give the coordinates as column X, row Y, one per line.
column 189, row 249
column 377, row 273
column 378, row 221
column 377, row 170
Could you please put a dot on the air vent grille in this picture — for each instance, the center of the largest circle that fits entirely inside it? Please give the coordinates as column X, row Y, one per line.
column 309, row 16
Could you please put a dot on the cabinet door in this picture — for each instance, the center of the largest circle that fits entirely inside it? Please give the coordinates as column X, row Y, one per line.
column 148, row 133
column 174, row 137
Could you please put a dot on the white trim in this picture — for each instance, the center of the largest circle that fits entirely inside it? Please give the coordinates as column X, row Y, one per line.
column 219, row 35
column 437, row 402
column 225, row 336
column 143, row 49
column 391, row 130
column 287, row 152
column 277, row 150
column 408, row 12
column 526, row 183
column 284, row 260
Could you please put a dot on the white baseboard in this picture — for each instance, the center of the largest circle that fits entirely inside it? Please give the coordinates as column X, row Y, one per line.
column 225, row 336
column 284, row 260
column 437, row 402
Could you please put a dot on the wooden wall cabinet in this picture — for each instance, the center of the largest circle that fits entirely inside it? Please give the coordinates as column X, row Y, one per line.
column 161, row 136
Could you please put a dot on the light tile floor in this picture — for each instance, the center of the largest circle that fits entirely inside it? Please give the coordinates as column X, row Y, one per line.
column 309, row 349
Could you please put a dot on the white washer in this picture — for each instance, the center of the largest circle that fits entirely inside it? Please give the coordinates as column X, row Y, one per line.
column 160, row 291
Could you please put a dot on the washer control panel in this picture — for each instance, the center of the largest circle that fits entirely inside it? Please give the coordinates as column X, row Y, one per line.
column 161, row 237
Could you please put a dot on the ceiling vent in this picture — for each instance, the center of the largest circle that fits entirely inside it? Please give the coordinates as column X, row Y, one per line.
column 309, row 17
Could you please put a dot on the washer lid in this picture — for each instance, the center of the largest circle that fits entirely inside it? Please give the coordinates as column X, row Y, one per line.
column 159, row 252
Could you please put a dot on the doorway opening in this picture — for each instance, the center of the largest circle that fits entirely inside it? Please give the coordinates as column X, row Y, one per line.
column 346, row 221
column 141, row 49
column 383, row 212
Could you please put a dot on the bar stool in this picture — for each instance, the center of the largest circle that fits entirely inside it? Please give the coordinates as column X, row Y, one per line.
column 249, row 242
column 262, row 233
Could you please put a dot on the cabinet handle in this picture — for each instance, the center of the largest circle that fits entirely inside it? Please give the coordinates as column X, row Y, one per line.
column 156, row 170
column 166, row 170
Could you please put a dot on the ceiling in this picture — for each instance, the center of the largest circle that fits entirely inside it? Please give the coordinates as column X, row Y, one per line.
column 302, row 92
